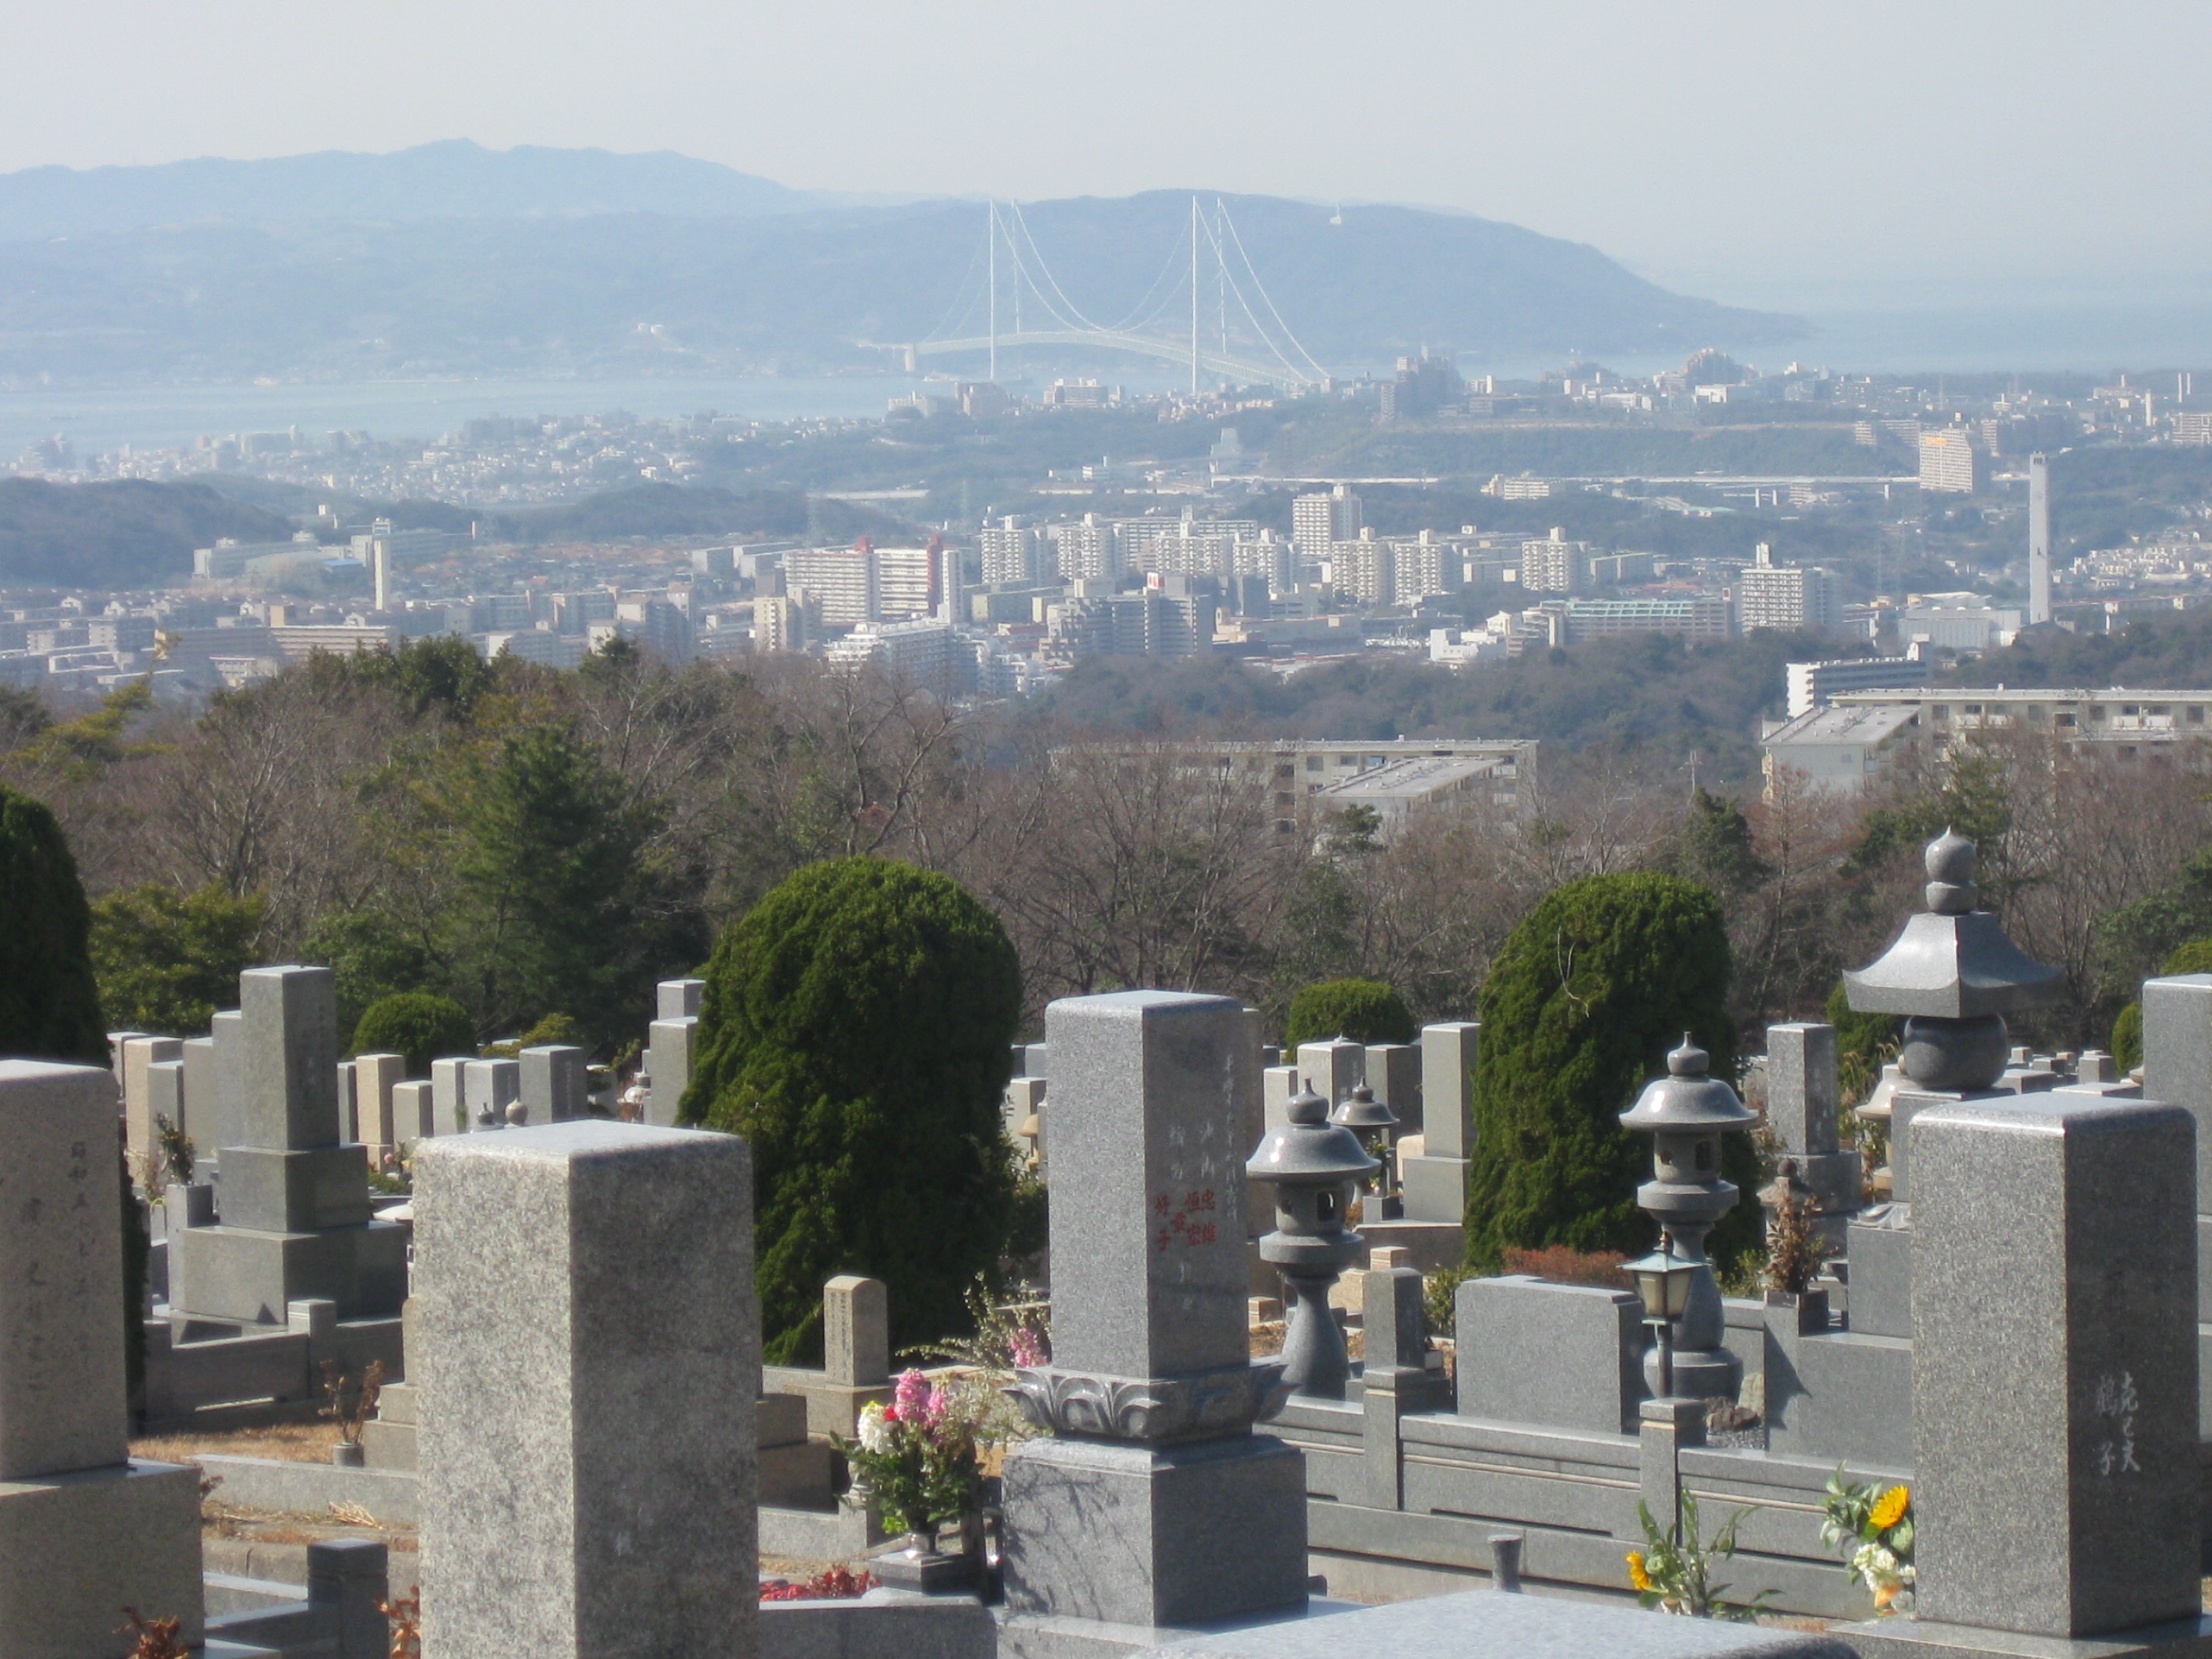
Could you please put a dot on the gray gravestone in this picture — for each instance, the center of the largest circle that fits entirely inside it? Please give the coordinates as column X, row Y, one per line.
column 1333, row 1069
column 2055, row 1414
column 1435, row 1183
column 1393, row 1071
column 1151, row 1503
column 588, row 1362
column 856, row 1331
column 227, row 1036
column 135, row 1054
column 293, row 1206
column 415, row 1111
column 445, row 1094
column 377, row 1079
column 678, row 998
column 487, row 1087
column 83, row 1532
column 672, row 1051
column 202, row 1093
column 553, row 1082
column 1802, row 1092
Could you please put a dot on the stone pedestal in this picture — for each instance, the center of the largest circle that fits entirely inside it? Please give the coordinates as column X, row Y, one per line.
column 672, row 1051
column 2055, row 1427
column 1150, row 1503
column 588, row 1362
column 83, row 1532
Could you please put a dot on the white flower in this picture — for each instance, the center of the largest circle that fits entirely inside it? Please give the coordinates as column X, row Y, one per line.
column 875, row 1428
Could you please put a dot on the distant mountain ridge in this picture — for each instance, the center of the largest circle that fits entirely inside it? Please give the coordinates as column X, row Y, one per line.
column 454, row 178
column 452, row 259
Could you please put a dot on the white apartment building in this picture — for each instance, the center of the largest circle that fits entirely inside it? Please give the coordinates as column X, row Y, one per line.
column 1812, row 685
column 1949, row 463
column 865, row 583
column 1554, row 565
column 1366, row 568
column 1015, row 554
column 1085, row 551
column 1787, row 598
column 1957, row 622
column 1319, row 522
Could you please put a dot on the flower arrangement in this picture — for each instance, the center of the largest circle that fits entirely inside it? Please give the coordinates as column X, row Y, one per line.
column 1674, row 1569
column 918, row 1457
column 1874, row 1526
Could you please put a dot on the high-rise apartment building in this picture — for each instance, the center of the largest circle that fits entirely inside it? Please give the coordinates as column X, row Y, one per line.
column 867, row 583
column 1786, row 598
column 1319, row 522
column 1949, row 463
column 1086, row 550
column 1015, row 554
column 1554, row 565
column 1365, row 568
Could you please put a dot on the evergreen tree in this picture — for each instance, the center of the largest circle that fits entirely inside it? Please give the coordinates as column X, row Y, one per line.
column 1582, row 1006
column 49, row 1000
column 166, row 961
column 855, row 1029
column 417, row 1025
column 1364, row 1010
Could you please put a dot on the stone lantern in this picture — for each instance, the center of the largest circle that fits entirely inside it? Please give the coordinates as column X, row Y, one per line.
column 1686, row 1112
column 1954, row 975
column 1316, row 1168
column 1373, row 1122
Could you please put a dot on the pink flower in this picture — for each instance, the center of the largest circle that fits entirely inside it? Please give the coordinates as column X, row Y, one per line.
column 912, row 1394
column 1026, row 1349
column 939, row 1403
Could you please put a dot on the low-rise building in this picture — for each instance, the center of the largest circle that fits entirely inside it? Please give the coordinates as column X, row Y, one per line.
column 1812, row 685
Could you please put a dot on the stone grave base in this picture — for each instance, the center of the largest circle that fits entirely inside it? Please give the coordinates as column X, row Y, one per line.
column 1037, row 1636
column 1134, row 1535
column 1916, row 1638
column 124, row 1536
column 1430, row 1246
column 250, row 1278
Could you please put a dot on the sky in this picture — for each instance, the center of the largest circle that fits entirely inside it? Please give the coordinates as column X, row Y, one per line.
column 1805, row 155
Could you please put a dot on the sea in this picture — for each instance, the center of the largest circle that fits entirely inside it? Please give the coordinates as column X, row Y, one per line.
column 2146, row 339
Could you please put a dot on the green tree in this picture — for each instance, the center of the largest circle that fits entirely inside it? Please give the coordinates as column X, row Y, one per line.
column 855, row 1029
column 1864, row 1043
column 1364, row 1010
column 1582, row 1006
column 561, row 891
column 166, row 961
column 417, row 1025
column 1716, row 845
column 49, row 998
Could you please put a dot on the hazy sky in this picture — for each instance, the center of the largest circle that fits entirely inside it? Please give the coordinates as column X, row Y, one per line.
column 1775, row 152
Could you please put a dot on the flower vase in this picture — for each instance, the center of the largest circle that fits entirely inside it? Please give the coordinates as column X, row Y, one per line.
column 918, row 1564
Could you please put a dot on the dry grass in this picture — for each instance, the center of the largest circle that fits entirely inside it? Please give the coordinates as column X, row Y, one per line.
column 293, row 1443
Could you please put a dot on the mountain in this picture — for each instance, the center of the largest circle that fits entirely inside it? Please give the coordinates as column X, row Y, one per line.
column 455, row 260
column 118, row 535
column 453, row 179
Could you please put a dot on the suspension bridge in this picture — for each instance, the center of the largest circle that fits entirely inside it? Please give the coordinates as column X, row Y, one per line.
column 1207, row 308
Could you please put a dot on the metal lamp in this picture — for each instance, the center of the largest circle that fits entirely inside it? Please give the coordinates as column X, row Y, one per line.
column 1664, row 1282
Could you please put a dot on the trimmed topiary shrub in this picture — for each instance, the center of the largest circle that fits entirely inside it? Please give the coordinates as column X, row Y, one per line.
column 855, row 1029
column 1364, row 1010
column 2194, row 958
column 1582, row 1006
column 49, row 1000
column 417, row 1025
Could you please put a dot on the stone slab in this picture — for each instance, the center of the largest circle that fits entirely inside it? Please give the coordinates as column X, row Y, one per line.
column 779, row 1419
column 202, row 1090
column 1127, row 1535
column 1448, row 1056
column 137, row 1054
column 588, row 1361
column 446, row 1095
column 831, row 1407
column 290, row 1064
column 878, row 1627
column 1434, row 1189
column 76, row 1549
column 291, row 1487
column 1840, row 1397
column 856, row 1332
column 490, row 1085
column 62, row 1400
column 1920, row 1638
column 415, row 1112
column 1430, row 1246
column 295, row 1192
column 227, row 1038
column 2056, row 1436
column 1333, row 1068
column 1552, row 1356
column 2177, row 1037
column 376, row 1077
column 1148, row 1171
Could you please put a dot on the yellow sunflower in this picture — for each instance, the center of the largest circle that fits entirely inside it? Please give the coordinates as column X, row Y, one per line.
column 1890, row 1509
column 1636, row 1575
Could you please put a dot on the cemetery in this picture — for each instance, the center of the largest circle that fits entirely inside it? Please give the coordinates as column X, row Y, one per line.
column 1265, row 1415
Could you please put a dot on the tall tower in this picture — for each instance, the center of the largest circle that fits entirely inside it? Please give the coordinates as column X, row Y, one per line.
column 2038, row 538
